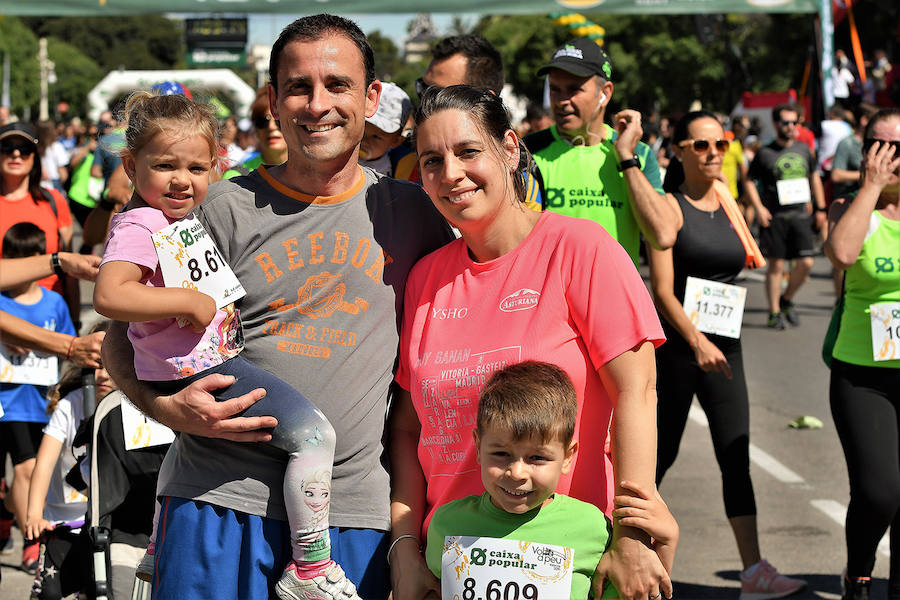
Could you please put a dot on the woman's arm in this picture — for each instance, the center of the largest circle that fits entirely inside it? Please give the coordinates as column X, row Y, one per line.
column 83, row 351
column 120, row 295
column 410, row 576
column 48, row 454
column 16, row 271
column 848, row 221
column 662, row 282
column 631, row 563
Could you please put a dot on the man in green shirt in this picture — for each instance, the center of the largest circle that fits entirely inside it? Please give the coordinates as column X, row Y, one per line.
column 595, row 171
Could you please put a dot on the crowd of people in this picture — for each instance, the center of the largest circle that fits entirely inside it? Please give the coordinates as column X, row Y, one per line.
column 397, row 337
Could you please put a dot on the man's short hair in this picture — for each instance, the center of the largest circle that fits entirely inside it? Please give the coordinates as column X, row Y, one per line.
column 776, row 112
column 529, row 399
column 484, row 65
column 315, row 27
column 24, row 239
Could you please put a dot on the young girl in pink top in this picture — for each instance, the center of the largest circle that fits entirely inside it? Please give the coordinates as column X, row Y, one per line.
column 179, row 335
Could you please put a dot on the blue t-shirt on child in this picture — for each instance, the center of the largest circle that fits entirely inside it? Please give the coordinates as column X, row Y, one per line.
column 28, row 403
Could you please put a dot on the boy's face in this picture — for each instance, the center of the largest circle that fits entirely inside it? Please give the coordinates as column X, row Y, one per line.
column 521, row 474
column 376, row 142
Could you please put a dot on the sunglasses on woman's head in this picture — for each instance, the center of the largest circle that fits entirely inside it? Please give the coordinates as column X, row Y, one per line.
column 25, row 148
column 261, row 121
column 703, row 145
column 869, row 142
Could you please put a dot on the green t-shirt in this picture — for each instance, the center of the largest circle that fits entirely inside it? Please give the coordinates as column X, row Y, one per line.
column 874, row 278
column 249, row 166
column 564, row 522
column 585, row 181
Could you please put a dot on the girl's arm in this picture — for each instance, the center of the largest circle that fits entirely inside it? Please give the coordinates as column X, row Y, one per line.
column 631, row 564
column 410, row 575
column 120, row 295
column 47, row 455
column 662, row 282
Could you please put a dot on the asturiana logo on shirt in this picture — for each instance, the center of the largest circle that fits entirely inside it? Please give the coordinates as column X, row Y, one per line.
column 520, row 300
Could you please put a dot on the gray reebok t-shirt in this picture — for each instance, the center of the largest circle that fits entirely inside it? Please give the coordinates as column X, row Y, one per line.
column 324, row 280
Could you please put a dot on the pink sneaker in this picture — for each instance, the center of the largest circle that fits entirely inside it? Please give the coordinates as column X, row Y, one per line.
column 765, row 582
column 329, row 584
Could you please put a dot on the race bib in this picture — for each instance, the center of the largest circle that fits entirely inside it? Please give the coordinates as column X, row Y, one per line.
column 793, row 191
column 30, row 368
column 140, row 430
column 482, row 568
column 188, row 258
column 71, row 495
column 715, row 307
column 885, row 331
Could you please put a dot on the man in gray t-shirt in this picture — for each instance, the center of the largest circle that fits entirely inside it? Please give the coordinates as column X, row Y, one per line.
column 323, row 248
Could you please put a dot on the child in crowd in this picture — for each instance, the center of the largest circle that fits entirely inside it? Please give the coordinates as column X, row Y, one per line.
column 384, row 131
column 52, row 501
column 24, row 406
column 524, row 442
column 179, row 335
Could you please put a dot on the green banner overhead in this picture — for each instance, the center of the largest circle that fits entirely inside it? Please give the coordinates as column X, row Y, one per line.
column 61, row 8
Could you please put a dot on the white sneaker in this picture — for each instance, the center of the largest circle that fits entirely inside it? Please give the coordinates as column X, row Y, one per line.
column 144, row 570
column 766, row 583
column 330, row 584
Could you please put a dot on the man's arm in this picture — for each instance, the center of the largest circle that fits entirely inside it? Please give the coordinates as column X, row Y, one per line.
column 193, row 410
column 83, row 351
column 657, row 216
column 818, row 201
column 16, row 271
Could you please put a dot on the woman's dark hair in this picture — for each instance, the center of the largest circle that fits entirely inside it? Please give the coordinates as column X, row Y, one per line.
column 488, row 112
column 675, row 171
column 34, row 176
column 24, row 239
column 881, row 115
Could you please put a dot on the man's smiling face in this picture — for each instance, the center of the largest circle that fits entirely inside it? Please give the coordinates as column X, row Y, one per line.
column 322, row 99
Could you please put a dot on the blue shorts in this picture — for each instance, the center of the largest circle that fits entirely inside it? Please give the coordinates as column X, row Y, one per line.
column 205, row 551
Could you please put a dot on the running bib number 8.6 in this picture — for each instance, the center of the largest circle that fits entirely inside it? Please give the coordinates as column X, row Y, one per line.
column 497, row 591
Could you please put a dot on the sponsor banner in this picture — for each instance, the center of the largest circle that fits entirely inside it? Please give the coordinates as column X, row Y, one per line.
column 499, row 7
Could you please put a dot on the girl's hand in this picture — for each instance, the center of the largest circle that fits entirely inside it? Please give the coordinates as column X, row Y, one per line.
column 203, row 309
column 35, row 527
column 882, row 163
column 709, row 357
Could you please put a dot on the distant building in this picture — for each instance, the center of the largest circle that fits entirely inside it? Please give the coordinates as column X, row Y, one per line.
column 418, row 43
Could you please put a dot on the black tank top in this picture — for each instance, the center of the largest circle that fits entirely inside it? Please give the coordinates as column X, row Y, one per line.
column 707, row 247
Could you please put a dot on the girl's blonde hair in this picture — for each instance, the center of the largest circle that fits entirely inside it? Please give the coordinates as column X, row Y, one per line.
column 71, row 379
column 147, row 114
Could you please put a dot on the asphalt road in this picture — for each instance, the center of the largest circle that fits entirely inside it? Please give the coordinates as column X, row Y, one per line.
column 799, row 475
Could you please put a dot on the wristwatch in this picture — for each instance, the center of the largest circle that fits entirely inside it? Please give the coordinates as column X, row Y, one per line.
column 57, row 267
column 634, row 161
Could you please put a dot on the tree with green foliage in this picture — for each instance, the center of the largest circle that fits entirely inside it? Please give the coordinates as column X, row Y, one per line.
column 21, row 45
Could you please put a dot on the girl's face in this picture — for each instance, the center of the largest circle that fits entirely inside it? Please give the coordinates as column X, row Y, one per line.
column 315, row 495
column 708, row 162
column 104, row 383
column 466, row 177
column 16, row 156
column 171, row 172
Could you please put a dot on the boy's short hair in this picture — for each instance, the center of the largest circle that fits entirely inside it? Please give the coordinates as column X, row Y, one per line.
column 24, row 239
column 528, row 399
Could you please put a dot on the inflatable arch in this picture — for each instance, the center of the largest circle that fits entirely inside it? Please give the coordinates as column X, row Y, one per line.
column 120, row 82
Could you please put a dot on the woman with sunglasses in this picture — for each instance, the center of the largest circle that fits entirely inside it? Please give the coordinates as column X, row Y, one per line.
column 713, row 245
column 269, row 141
column 23, row 199
column 863, row 241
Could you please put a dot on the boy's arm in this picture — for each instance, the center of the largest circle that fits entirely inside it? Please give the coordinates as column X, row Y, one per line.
column 120, row 295
column 647, row 510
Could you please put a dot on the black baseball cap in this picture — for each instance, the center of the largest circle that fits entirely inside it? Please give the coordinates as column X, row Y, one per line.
column 20, row 129
column 581, row 57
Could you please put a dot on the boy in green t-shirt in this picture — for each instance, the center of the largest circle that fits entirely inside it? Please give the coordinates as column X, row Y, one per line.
column 520, row 539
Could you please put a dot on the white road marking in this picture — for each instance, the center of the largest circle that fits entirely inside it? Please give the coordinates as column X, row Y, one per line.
column 836, row 511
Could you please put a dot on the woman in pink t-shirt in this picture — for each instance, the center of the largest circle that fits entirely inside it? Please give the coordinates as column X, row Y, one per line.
column 518, row 285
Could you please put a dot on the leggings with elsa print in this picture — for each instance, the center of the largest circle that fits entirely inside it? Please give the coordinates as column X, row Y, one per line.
column 303, row 432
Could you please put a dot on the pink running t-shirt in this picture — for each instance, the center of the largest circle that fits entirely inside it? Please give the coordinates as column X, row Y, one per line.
column 568, row 294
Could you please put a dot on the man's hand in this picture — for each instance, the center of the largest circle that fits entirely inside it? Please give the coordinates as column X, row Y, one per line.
column 628, row 125
column 634, row 569
column 195, row 411
column 85, row 350
column 763, row 216
column 82, row 266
